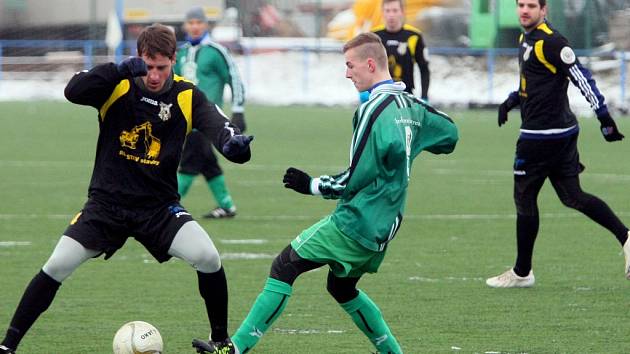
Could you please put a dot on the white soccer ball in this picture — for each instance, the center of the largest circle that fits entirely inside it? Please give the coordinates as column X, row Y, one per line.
column 138, row 337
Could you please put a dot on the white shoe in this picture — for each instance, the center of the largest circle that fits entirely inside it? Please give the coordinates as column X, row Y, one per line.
column 626, row 253
column 509, row 279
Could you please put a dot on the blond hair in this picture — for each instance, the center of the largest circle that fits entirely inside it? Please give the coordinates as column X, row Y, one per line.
column 368, row 45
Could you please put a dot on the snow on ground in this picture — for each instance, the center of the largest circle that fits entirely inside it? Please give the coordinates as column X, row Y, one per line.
column 290, row 77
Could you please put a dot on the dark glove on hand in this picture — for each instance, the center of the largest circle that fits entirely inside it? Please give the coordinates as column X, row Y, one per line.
column 609, row 128
column 505, row 107
column 132, row 66
column 238, row 119
column 297, row 180
column 238, row 144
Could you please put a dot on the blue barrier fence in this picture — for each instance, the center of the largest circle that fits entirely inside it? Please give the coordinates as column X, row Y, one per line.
column 250, row 45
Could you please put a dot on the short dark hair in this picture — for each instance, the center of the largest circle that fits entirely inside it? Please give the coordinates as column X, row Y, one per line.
column 401, row 2
column 157, row 39
column 370, row 45
column 542, row 3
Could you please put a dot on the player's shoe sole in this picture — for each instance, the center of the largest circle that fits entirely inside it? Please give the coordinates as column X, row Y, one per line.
column 509, row 279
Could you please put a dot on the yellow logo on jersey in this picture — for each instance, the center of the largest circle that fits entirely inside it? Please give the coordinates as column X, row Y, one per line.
column 152, row 145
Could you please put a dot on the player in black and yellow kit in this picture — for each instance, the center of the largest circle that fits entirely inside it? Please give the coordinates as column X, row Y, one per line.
column 405, row 47
column 144, row 115
column 547, row 145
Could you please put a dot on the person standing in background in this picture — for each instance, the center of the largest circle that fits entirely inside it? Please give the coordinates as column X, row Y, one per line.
column 209, row 66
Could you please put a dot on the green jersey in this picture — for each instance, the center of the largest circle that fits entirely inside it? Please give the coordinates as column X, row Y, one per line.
column 209, row 66
column 389, row 131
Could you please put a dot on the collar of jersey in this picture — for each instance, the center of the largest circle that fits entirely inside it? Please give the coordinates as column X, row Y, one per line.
column 385, row 86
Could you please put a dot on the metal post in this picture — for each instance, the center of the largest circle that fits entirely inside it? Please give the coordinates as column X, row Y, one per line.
column 305, row 71
column 0, row 60
column 490, row 66
column 622, row 79
column 87, row 54
column 120, row 5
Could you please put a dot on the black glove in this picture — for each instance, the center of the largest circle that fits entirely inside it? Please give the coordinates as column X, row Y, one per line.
column 297, row 180
column 238, row 119
column 132, row 66
column 609, row 128
column 505, row 107
column 238, row 144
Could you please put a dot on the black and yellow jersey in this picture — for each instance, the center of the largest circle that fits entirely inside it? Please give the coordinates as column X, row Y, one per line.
column 404, row 48
column 547, row 63
column 141, row 134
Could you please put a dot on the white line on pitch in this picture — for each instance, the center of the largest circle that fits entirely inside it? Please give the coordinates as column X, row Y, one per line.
column 14, row 243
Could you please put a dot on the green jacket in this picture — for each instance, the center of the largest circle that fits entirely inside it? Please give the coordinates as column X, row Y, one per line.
column 389, row 131
column 209, row 66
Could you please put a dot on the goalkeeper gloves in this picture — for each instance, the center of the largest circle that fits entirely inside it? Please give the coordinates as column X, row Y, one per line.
column 237, row 145
column 609, row 128
column 507, row 105
column 132, row 66
column 238, row 119
column 297, row 180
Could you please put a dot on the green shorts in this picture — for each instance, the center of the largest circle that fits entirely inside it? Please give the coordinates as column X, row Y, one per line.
column 325, row 243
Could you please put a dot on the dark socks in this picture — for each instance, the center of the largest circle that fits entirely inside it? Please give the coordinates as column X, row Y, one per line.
column 213, row 290
column 526, row 232
column 37, row 297
column 600, row 212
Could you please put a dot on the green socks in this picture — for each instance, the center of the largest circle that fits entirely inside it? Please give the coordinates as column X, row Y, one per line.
column 267, row 308
column 220, row 192
column 184, row 181
column 217, row 187
column 367, row 316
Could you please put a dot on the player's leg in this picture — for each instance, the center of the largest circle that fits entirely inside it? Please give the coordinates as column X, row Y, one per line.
column 191, row 162
column 571, row 194
column 270, row 303
column 530, row 172
column 39, row 294
column 364, row 312
column 193, row 245
column 216, row 183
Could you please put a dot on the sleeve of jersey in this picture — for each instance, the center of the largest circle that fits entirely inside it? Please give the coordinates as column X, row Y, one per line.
column 93, row 87
column 331, row 187
column 235, row 82
column 209, row 119
column 562, row 55
column 438, row 133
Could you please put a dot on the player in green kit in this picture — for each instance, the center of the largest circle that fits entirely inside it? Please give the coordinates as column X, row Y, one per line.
column 209, row 66
column 389, row 131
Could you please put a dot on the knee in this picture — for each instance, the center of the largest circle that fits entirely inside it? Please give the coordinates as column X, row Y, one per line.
column 205, row 260
column 340, row 293
column 57, row 269
column 525, row 206
column 282, row 270
column 575, row 201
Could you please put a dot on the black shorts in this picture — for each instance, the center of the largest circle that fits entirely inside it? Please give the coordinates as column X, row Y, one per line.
column 198, row 157
column 539, row 159
column 105, row 227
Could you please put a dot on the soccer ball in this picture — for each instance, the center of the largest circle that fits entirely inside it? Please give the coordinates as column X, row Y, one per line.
column 138, row 337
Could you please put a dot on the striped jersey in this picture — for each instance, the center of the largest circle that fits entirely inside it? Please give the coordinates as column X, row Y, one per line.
column 389, row 131
column 209, row 66
column 546, row 61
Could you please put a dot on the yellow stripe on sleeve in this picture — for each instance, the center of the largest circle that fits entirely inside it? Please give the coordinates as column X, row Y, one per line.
column 184, row 100
column 120, row 89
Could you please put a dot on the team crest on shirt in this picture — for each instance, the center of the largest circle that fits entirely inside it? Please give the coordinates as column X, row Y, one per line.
column 165, row 111
column 402, row 48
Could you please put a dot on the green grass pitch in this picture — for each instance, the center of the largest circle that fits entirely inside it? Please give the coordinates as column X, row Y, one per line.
column 458, row 230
